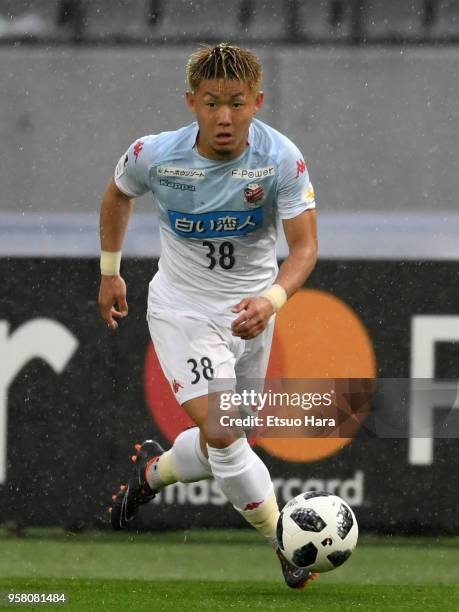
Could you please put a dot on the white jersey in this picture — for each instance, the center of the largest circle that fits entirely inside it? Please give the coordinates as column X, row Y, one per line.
column 218, row 219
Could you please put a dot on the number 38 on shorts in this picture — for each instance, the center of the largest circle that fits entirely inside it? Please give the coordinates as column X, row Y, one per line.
column 193, row 351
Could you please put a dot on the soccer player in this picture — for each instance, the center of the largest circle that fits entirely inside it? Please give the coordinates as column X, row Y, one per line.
column 220, row 184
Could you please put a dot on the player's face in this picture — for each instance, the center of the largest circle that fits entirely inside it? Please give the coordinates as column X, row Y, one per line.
column 224, row 110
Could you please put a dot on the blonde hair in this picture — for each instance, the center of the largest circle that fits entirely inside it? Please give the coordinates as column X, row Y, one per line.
column 224, row 61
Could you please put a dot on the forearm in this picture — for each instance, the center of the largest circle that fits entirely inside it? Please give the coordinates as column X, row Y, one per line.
column 295, row 270
column 114, row 218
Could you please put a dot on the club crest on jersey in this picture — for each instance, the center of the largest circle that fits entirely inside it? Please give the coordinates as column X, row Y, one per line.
column 254, row 193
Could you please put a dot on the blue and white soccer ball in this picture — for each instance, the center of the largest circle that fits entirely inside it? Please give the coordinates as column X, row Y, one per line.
column 317, row 531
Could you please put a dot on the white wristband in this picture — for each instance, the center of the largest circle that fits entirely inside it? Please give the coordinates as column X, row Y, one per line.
column 110, row 263
column 276, row 295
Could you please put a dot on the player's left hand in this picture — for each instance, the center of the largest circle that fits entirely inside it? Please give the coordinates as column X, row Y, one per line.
column 256, row 312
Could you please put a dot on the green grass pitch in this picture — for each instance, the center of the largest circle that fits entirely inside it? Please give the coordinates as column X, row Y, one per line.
column 222, row 570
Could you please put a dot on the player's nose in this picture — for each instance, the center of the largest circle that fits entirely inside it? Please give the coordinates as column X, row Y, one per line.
column 224, row 116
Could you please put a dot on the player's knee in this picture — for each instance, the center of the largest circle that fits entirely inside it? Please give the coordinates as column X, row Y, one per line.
column 219, row 441
column 214, row 440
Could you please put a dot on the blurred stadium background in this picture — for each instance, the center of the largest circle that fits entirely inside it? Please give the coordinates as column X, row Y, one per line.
column 369, row 91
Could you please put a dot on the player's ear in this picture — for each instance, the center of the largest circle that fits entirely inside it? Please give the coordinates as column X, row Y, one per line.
column 260, row 98
column 189, row 97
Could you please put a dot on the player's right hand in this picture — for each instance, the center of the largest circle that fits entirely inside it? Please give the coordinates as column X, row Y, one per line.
column 112, row 299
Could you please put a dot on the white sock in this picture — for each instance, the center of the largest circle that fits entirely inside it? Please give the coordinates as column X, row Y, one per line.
column 184, row 462
column 245, row 480
column 264, row 518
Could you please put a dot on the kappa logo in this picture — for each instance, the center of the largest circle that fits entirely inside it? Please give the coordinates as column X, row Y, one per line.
column 176, row 386
column 174, row 185
column 252, row 505
column 137, row 149
column 254, row 193
column 191, row 173
column 300, row 167
column 253, row 173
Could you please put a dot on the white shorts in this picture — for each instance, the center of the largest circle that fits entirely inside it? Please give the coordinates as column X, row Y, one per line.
column 194, row 350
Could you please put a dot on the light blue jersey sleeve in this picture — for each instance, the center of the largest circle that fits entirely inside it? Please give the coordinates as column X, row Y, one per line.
column 132, row 173
column 295, row 191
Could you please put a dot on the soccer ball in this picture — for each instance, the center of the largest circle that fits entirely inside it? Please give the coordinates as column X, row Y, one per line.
column 317, row 531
